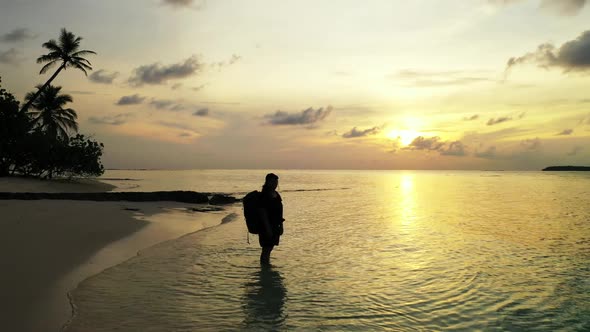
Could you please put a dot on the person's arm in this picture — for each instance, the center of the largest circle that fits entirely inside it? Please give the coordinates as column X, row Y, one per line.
column 281, row 208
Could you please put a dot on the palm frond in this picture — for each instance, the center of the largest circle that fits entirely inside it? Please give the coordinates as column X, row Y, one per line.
column 71, row 44
column 52, row 46
column 61, row 132
column 74, row 126
column 63, row 99
column 82, row 53
column 49, row 57
column 37, row 121
column 65, row 37
column 77, row 65
column 48, row 66
column 71, row 113
column 29, row 96
column 83, row 62
column 68, row 124
column 83, row 65
column 34, row 114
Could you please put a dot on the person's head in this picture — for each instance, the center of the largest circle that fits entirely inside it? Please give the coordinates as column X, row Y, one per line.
column 271, row 181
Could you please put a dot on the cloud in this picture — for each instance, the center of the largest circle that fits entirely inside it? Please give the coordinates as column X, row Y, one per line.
column 220, row 64
column 332, row 133
column 10, row 57
column 560, row 7
column 494, row 121
column 531, row 144
column 185, row 3
column 361, row 133
column 82, row 92
column 177, row 107
column 163, row 103
column 167, row 104
column 177, row 125
column 103, row 77
column 305, row 117
column 198, row 88
column 489, row 153
column 563, row 7
column 573, row 55
column 17, row 35
column 156, row 73
column 395, row 146
column 131, row 100
column 114, row 120
column 565, row 132
column 456, row 148
column 575, row 150
column 221, row 102
column 201, row 112
column 423, row 143
column 502, row 134
column 437, row 79
column 234, row 58
column 471, row 118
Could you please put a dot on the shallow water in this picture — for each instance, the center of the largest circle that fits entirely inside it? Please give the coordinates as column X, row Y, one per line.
column 403, row 251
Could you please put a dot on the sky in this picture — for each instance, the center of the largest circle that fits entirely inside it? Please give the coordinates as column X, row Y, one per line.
column 332, row 84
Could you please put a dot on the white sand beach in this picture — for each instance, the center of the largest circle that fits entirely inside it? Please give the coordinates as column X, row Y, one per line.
column 48, row 246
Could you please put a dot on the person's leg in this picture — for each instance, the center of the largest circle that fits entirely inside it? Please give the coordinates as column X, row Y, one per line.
column 265, row 255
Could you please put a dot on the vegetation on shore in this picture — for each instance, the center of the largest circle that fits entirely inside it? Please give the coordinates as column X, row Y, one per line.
column 567, row 168
column 41, row 139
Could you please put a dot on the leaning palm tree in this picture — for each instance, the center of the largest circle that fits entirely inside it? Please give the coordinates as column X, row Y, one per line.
column 65, row 52
column 48, row 112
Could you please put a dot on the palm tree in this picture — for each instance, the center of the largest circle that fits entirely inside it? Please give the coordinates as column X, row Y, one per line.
column 65, row 52
column 49, row 113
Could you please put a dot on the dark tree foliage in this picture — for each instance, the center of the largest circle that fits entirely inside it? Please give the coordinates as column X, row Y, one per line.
column 14, row 127
column 82, row 157
column 29, row 150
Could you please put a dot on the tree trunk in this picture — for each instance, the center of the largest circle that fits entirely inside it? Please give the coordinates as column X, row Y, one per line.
column 28, row 104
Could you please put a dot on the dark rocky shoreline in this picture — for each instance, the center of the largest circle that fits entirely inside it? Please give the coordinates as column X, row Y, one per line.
column 566, row 168
column 174, row 196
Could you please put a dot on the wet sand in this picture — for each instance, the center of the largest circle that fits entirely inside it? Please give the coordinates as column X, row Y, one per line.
column 48, row 247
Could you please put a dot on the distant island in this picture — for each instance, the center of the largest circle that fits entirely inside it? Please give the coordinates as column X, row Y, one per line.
column 566, row 168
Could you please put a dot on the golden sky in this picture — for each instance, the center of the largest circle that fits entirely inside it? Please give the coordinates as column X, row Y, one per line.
column 339, row 84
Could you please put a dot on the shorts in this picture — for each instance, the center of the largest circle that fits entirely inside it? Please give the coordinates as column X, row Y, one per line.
column 273, row 240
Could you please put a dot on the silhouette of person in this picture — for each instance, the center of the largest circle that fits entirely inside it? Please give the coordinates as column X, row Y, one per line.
column 271, row 217
column 264, row 301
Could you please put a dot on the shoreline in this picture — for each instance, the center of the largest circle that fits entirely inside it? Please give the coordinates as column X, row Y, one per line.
column 48, row 247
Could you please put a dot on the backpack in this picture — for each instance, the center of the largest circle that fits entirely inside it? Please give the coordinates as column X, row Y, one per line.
column 251, row 213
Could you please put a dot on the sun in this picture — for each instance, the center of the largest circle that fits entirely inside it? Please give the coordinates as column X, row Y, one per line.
column 405, row 136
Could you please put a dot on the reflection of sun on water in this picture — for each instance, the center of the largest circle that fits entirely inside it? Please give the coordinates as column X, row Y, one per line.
column 408, row 200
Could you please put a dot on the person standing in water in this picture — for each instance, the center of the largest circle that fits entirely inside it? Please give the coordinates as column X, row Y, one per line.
column 271, row 217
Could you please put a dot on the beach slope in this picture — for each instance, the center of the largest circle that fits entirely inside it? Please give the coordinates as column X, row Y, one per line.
column 48, row 246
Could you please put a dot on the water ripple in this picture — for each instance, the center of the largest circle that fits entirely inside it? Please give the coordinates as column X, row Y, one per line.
column 393, row 254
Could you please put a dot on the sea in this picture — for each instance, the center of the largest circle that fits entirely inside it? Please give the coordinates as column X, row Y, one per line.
column 361, row 251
